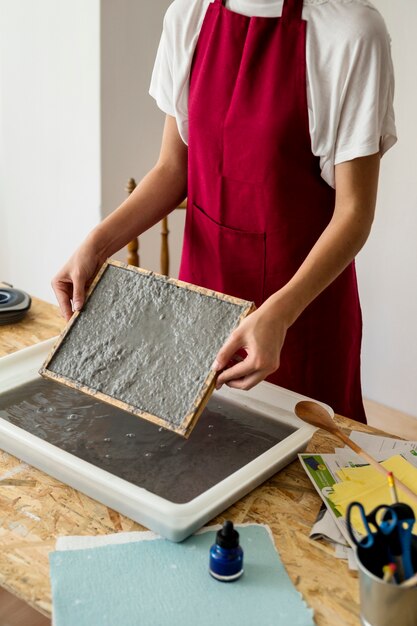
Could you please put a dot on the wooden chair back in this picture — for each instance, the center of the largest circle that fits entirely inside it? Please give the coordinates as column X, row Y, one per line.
column 133, row 255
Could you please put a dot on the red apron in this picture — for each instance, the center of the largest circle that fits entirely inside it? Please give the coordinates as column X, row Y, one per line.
column 256, row 199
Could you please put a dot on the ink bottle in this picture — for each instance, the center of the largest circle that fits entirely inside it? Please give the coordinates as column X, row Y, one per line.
column 226, row 555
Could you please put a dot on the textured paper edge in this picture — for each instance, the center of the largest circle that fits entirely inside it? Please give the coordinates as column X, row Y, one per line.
column 190, row 419
column 85, row 542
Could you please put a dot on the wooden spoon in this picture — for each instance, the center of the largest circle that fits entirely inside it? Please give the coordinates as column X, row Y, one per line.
column 316, row 415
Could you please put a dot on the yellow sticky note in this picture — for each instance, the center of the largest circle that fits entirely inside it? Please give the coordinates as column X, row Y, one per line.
column 367, row 486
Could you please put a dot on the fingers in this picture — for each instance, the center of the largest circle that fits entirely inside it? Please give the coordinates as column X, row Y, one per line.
column 71, row 281
column 63, row 291
column 78, row 292
column 248, row 382
column 67, row 289
column 230, row 347
column 244, row 368
column 246, row 373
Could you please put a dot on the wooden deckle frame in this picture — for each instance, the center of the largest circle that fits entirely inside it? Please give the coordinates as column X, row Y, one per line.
column 205, row 392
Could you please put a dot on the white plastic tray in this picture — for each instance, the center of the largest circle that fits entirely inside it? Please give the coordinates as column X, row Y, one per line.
column 173, row 521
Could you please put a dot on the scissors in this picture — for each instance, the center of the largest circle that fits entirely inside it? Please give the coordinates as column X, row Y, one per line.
column 383, row 518
column 392, row 536
column 401, row 541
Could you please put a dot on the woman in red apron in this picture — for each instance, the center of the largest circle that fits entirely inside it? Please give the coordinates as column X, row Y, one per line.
column 257, row 205
column 261, row 222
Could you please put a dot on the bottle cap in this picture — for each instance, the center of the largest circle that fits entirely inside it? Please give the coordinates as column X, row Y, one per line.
column 227, row 537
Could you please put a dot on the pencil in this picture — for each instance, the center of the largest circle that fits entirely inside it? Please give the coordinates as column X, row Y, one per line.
column 392, row 488
column 389, row 571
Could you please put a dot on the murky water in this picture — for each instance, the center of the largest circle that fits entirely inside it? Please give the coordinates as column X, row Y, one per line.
column 226, row 438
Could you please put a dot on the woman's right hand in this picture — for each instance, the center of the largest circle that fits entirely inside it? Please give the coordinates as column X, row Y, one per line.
column 72, row 281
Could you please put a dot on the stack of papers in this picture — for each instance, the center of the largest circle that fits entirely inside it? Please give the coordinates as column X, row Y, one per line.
column 343, row 476
column 367, row 486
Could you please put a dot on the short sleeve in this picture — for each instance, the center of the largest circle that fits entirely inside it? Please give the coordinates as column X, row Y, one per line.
column 162, row 84
column 366, row 123
column 170, row 77
column 351, row 87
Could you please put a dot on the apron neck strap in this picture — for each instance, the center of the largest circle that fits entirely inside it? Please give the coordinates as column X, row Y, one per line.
column 292, row 9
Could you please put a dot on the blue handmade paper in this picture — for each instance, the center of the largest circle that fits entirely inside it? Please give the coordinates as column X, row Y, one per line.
column 160, row 583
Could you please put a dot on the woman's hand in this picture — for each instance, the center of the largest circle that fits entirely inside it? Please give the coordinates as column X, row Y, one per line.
column 159, row 192
column 72, row 281
column 261, row 335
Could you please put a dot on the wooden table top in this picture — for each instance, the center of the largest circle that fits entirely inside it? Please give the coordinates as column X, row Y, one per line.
column 35, row 509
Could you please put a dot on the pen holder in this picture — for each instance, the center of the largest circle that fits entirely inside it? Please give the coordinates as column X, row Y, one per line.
column 383, row 603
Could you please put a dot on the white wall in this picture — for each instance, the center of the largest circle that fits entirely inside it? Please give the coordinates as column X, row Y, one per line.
column 388, row 265
column 76, row 121
column 131, row 123
column 49, row 136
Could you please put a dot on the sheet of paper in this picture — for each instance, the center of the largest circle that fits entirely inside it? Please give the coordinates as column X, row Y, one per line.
column 346, row 553
column 326, row 528
column 323, row 471
column 163, row 583
column 408, row 455
column 352, row 563
column 367, row 486
column 379, row 444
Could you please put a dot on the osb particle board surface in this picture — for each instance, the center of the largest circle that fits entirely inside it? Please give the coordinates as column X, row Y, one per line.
column 41, row 322
column 35, row 509
column 146, row 343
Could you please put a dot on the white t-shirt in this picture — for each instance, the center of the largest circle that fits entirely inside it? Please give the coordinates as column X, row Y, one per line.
column 350, row 79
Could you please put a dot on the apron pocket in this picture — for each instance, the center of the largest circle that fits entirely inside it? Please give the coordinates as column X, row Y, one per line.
column 228, row 260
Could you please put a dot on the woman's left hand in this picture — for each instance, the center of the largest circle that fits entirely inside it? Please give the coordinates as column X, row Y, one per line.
column 261, row 335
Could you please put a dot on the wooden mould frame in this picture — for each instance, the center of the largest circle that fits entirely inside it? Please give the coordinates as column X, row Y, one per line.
column 190, row 420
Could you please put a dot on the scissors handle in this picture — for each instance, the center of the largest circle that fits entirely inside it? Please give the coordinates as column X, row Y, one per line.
column 384, row 518
column 368, row 540
column 402, row 547
column 400, row 544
